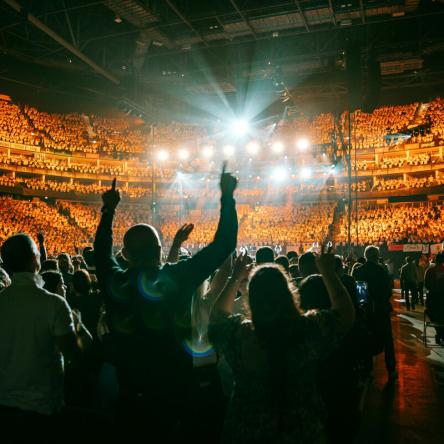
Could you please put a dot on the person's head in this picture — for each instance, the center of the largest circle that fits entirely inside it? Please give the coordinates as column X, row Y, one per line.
column 141, row 246
column 81, row 282
column 439, row 259
column 339, row 264
column 292, row 256
column 20, row 254
column 65, row 264
column 88, row 255
column 371, row 254
column 269, row 295
column 50, row 265
column 54, row 282
column 293, row 270
column 307, row 264
column 313, row 294
column 264, row 255
column 5, row 281
column 283, row 262
column 408, row 259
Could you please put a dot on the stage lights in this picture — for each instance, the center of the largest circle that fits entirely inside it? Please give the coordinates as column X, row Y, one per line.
column 208, row 151
column 162, row 155
column 306, row 173
column 183, row 154
column 279, row 174
column 240, row 127
column 228, row 150
column 277, row 147
column 303, row 144
column 253, row 147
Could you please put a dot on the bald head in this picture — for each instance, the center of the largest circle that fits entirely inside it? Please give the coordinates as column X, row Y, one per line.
column 20, row 254
column 141, row 245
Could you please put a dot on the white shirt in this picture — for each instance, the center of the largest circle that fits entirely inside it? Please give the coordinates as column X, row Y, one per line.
column 31, row 368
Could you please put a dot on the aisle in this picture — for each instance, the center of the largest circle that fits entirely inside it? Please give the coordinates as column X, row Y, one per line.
column 412, row 410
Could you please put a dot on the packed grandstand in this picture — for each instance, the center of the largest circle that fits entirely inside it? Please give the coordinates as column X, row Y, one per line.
column 54, row 167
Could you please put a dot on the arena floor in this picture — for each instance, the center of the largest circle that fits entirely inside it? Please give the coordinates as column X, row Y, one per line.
column 412, row 410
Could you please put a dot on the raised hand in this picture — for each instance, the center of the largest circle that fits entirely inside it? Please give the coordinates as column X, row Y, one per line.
column 325, row 261
column 41, row 237
column 242, row 266
column 182, row 234
column 228, row 182
column 111, row 198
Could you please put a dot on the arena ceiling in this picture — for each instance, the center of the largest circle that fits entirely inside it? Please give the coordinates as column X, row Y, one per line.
column 140, row 49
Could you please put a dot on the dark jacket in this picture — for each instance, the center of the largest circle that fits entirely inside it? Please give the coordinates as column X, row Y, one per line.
column 148, row 309
column 378, row 283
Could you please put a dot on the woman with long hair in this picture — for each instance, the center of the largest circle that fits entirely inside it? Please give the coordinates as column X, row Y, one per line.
column 274, row 356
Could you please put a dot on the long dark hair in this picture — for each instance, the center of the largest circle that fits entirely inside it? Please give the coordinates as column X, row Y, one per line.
column 271, row 300
column 275, row 319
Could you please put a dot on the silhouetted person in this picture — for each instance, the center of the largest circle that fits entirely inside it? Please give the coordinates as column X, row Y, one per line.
column 275, row 356
column 434, row 283
column 307, row 264
column 264, row 255
column 409, row 282
column 283, row 262
column 148, row 311
column 35, row 326
column 379, row 294
column 54, row 282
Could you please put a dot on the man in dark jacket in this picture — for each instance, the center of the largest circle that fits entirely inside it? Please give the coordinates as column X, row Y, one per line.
column 148, row 310
column 409, row 282
column 379, row 293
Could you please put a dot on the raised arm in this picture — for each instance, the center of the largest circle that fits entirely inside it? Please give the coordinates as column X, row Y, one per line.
column 42, row 248
column 341, row 303
column 226, row 298
column 195, row 270
column 103, row 243
column 181, row 236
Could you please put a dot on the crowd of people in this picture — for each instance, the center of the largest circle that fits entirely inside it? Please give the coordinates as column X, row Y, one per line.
column 214, row 347
column 263, row 224
column 219, row 346
column 395, row 223
column 124, row 137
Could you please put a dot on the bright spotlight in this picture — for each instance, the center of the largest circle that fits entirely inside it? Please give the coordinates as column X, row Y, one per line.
column 183, row 154
column 277, row 147
column 280, row 174
column 302, row 144
column 240, row 127
column 162, row 155
column 208, row 151
column 306, row 173
column 253, row 147
column 228, row 150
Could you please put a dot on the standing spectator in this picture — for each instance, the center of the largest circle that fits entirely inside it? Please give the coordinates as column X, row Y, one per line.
column 274, row 357
column 434, row 283
column 264, row 255
column 422, row 267
column 147, row 308
column 66, row 267
column 409, row 282
column 35, row 326
column 379, row 293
